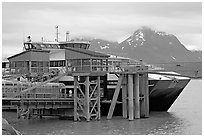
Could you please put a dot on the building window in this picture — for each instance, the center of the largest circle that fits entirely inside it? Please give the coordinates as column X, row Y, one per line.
column 51, row 63
column 34, row 64
column 59, row 63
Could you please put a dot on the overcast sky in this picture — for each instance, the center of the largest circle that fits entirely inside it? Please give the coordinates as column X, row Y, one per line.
column 110, row 21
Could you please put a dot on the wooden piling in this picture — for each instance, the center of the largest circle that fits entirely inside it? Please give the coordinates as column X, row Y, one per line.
column 99, row 96
column 146, row 83
column 115, row 97
column 87, row 107
column 130, row 97
column 144, row 104
column 136, row 96
column 18, row 112
column 124, row 96
column 75, row 98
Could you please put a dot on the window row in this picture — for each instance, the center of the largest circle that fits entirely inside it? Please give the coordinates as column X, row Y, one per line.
column 60, row 63
column 39, row 64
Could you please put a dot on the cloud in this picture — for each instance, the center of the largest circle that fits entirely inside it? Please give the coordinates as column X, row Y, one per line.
column 111, row 21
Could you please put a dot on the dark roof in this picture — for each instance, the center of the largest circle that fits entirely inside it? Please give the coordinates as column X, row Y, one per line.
column 88, row 52
column 33, row 50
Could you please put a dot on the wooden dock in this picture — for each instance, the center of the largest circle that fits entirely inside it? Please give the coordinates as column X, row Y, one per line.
column 85, row 65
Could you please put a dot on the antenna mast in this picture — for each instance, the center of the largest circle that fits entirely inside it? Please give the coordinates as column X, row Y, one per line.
column 57, row 34
column 67, row 36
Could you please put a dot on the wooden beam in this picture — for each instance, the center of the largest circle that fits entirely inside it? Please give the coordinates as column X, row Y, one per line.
column 130, row 97
column 144, row 105
column 124, row 96
column 146, row 87
column 136, row 96
column 115, row 97
column 87, row 99
column 75, row 98
column 99, row 97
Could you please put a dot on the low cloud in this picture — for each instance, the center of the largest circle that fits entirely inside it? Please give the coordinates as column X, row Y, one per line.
column 110, row 21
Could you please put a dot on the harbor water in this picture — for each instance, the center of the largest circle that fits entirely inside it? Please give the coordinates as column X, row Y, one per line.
column 183, row 118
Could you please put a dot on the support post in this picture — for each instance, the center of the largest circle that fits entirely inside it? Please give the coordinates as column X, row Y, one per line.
column 136, row 96
column 99, row 96
column 146, row 83
column 75, row 98
column 18, row 112
column 115, row 97
column 130, row 97
column 87, row 100
column 144, row 111
column 124, row 96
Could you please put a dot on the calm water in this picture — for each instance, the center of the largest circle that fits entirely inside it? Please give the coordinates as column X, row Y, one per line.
column 184, row 117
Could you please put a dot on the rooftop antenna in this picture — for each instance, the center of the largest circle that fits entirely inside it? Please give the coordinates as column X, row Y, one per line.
column 57, row 34
column 67, row 36
column 29, row 39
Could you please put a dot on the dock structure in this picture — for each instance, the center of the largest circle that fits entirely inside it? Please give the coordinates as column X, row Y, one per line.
column 87, row 101
column 135, row 93
column 87, row 68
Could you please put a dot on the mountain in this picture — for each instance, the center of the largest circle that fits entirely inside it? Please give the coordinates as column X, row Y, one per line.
column 197, row 53
column 149, row 45
column 103, row 46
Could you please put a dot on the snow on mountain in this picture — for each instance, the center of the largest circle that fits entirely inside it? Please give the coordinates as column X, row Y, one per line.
column 105, row 47
column 155, row 46
column 149, row 45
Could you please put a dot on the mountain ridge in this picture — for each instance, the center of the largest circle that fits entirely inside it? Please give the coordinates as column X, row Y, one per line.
column 149, row 45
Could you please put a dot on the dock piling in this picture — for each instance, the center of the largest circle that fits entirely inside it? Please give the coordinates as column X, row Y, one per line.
column 124, row 96
column 144, row 105
column 136, row 96
column 87, row 99
column 115, row 97
column 130, row 97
